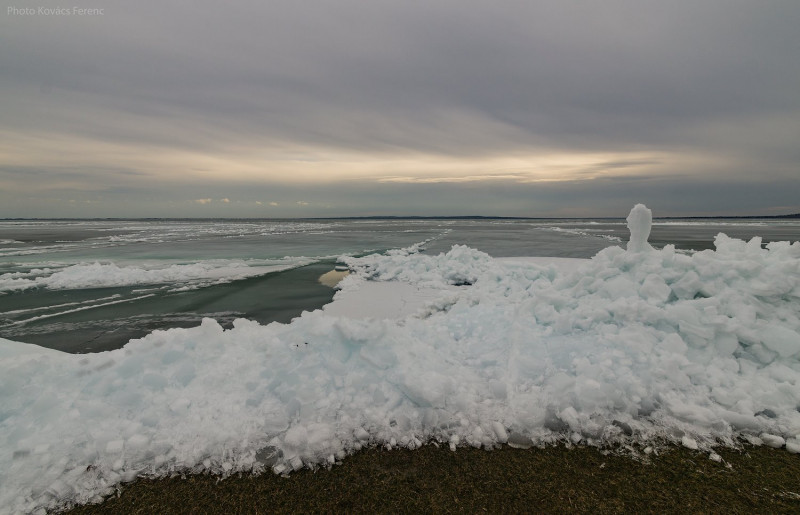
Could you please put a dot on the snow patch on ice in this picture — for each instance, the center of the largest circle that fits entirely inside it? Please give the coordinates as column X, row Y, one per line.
column 104, row 275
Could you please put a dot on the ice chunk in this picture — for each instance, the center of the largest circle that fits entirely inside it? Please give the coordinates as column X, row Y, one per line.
column 654, row 289
column 554, row 423
column 361, row 434
column 781, row 340
column 454, row 441
column 689, row 443
column 626, row 428
column 60, row 489
column 772, row 440
column 519, row 441
column 296, row 463
column 269, row 455
column 500, row 432
column 296, row 436
column 640, row 220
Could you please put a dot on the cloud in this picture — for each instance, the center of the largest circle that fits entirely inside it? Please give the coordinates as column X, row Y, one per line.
column 274, row 204
column 465, row 178
column 203, row 200
column 418, row 93
column 301, row 203
column 225, row 200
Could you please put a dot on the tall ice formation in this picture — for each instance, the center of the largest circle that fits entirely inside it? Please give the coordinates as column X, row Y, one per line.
column 640, row 219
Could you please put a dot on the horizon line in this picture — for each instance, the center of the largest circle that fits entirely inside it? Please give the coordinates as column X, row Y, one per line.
column 405, row 217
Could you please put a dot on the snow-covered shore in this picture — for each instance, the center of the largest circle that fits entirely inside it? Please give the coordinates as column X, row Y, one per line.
column 459, row 348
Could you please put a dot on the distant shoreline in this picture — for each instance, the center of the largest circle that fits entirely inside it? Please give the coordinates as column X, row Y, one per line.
column 412, row 217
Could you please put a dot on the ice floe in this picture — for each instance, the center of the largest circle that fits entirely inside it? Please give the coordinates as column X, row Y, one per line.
column 105, row 275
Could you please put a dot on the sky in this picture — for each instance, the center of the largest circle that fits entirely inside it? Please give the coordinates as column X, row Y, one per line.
column 439, row 107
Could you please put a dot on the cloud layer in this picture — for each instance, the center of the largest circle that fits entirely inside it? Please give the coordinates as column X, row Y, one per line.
column 167, row 106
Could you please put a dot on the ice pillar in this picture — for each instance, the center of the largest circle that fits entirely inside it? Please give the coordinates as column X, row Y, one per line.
column 639, row 221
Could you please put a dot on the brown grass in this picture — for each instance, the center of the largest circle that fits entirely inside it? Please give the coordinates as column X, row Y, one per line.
column 431, row 479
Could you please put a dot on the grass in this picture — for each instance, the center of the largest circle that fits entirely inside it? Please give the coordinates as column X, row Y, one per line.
column 431, row 479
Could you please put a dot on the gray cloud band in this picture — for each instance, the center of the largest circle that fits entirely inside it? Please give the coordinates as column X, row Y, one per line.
column 420, row 78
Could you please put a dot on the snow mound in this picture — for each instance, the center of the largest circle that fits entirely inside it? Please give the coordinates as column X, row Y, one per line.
column 635, row 346
column 460, row 266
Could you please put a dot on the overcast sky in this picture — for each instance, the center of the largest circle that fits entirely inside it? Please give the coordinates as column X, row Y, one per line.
column 337, row 108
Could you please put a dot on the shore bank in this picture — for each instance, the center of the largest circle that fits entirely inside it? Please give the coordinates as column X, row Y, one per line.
column 431, row 479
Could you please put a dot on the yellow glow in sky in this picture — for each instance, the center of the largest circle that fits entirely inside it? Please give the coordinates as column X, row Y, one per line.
column 300, row 165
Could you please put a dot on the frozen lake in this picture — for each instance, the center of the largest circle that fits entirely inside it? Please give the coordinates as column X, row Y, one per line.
column 467, row 344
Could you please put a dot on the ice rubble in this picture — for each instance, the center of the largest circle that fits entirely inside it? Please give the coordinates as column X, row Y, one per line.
column 637, row 345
